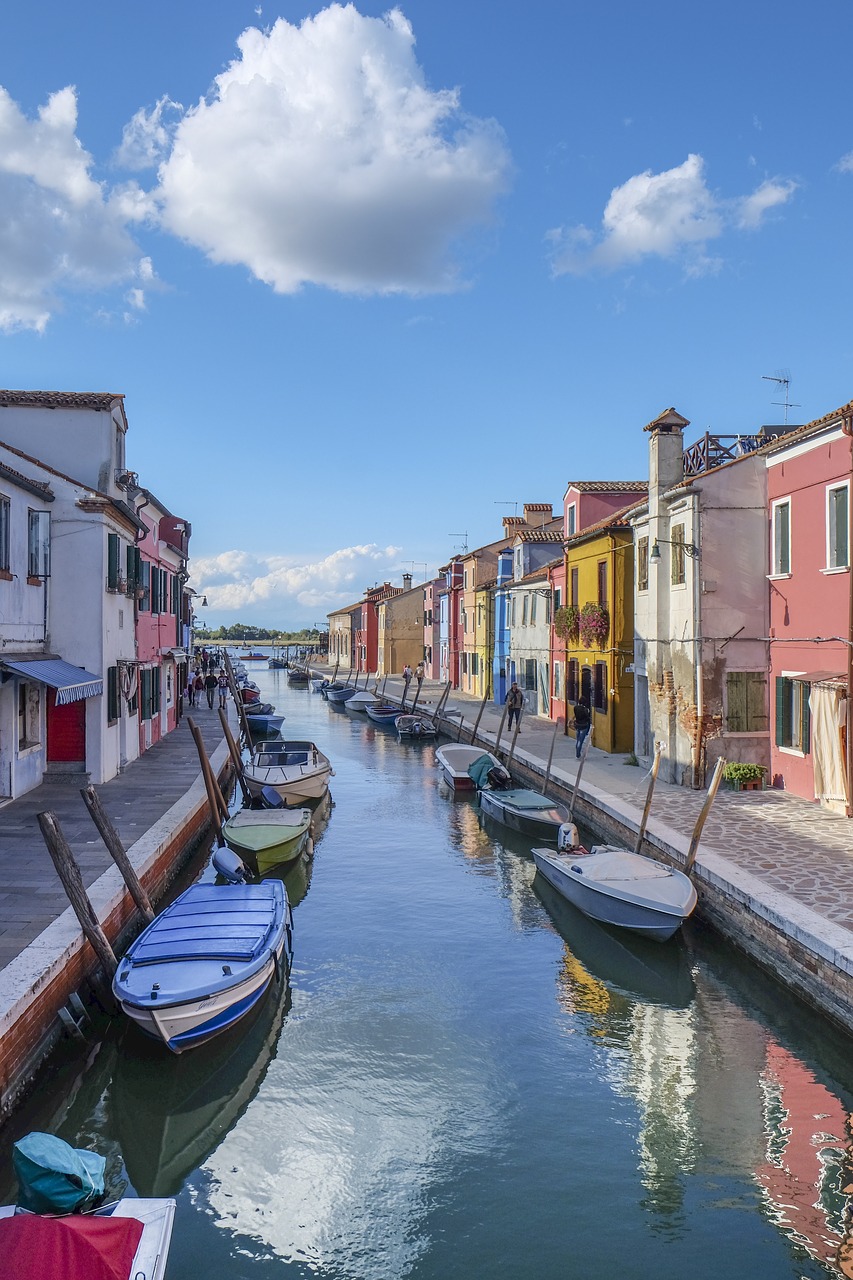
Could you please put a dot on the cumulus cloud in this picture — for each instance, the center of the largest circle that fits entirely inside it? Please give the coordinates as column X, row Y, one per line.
column 673, row 214
column 321, row 156
column 279, row 588
column 845, row 164
column 147, row 138
column 60, row 229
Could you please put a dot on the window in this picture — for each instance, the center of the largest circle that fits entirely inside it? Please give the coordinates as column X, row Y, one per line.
column 746, row 702
column 781, row 537
column 837, row 549
column 533, row 609
column 793, row 721
column 599, row 687
column 574, row 584
column 29, row 715
column 547, row 611
column 571, row 519
column 512, row 612
column 529, row 673
column 558, row 680
column 525, row 605
column 133, row 569
column 5, row 513
column 475, row 664
column 145, row 692
column 112, row 561
column 572, row 681
column 558, row 598
column 602, row 582
column 38, row 544
column 112, row 694
column 145, row 584
column 642, row 564
column 679, row 571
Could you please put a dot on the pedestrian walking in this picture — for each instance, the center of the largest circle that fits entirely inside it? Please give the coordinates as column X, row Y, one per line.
column 210, row 687
column 407, row 678
column 198, row 687
column 583, row 724
column 223, row 687
column 419, row 675
column 514, row 701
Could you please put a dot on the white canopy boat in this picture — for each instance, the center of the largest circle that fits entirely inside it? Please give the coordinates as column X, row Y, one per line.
column 298, row 771
column 617, row 887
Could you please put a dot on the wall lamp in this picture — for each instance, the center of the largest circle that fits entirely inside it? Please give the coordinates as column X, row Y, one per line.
column 687, row 547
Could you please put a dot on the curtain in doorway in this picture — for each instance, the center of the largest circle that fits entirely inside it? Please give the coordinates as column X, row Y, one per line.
column 829, row 771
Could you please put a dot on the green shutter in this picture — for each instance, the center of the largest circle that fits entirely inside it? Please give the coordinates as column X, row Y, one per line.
column 805, row 721
column 736, row 718
column 112, row 561
column 783, row 712
column 155, row 690
column 145, row 692
column 112, row 694
column 756, row 701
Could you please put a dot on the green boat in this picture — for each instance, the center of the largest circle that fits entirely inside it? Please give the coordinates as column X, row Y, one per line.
column 265, row 838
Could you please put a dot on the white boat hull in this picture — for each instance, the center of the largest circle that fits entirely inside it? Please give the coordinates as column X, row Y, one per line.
column 648, row 899
column 309, row 786
column 157, row 1218
column 455, row 760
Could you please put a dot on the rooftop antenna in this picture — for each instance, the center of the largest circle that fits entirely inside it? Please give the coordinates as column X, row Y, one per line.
column 782, row 380
column 416, row 564
column 514, row 506
column 464, row 537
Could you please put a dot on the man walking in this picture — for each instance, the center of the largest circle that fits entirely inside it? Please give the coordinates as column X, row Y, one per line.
column 514, row 701
column 583, row 722
column 210, row 687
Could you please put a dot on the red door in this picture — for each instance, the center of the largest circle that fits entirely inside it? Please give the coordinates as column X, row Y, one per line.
column 66, row 730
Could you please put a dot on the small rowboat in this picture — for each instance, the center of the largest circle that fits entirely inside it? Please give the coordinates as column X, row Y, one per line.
column 383, row 712
column 359, row 702
column 296, row 675
column 205, row 961
column 339, row 692
column 525, row 811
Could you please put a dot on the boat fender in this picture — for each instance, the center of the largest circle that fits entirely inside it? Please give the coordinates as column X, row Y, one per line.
column 567, row 837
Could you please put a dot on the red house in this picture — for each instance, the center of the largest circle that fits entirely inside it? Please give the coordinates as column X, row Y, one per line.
column 811, row 609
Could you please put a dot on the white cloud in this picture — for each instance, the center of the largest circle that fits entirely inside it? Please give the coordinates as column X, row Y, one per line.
column 278, row 588
column 59, row 230
column 845, row 164
column 673, row 214
column 321, row 156
column 147, row 138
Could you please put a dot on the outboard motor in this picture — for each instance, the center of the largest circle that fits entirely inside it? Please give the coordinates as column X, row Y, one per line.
column 567, row 837
column 498, row 778
column 229, row 866
column 270, row 799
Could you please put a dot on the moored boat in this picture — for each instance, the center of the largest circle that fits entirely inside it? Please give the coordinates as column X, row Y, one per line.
column 339, row 693
column 382, row 712
column 205, row 961
column 620, row 888
column 264, row 723
column 359, row 702
column 266, row 838
column 525, row 811
column 295, row 675
column 456, row 758
column 298, row 771
column 409, row 726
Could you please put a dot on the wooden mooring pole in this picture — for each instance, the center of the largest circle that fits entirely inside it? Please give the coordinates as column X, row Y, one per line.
column 479, row 718
column 716, row 779
column 581, row 762
column 512, row 744
column 235, row 755
column 501, row 730
column 72, row 882
column 655, row 766
column 550, row 757
column 116, row 850
column 215, row 800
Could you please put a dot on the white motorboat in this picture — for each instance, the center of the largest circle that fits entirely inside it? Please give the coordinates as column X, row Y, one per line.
column 298, row 771
column 205, row 961
column 456, row 759
column 359, row 702
column 617, row 887
column 28, row 1238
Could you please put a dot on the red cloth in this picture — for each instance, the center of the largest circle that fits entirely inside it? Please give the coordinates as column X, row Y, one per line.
column 79, row 1247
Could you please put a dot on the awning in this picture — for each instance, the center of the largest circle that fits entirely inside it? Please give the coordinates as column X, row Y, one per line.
column 823, row 677
column 71, row 683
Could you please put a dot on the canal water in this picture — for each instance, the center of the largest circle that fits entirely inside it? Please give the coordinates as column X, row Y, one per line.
column 468, row 1079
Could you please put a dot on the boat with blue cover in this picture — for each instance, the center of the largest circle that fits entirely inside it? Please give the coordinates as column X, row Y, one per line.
column 206, row 961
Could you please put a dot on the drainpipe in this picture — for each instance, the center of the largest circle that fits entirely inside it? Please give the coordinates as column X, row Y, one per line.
column 698, row 662
column 847, row 428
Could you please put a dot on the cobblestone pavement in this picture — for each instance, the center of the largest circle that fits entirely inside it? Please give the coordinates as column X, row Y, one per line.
column 31, row 896
column 797, row 847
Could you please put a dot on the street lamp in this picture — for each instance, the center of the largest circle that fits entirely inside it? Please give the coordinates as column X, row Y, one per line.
column 687, row 547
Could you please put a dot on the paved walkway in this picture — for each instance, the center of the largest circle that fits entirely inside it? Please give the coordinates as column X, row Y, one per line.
column 31, row 896
column 796, row 847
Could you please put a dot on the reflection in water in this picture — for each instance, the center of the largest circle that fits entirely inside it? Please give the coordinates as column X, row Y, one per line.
column 807, row 1174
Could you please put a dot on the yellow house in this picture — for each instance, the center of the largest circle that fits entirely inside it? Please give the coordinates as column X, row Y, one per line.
column 400, row 631
column 597, row 626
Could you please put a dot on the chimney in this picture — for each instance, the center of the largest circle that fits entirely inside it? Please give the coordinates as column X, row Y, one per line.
column 666, row 454
column 512, row 524
column 537, row 514
column 407, row 582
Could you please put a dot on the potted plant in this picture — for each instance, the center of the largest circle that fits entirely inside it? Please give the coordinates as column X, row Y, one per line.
column 594, row 624
column 742, row 776
column 566, row 622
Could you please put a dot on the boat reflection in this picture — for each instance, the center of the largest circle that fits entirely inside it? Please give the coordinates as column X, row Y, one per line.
column 172, row 1113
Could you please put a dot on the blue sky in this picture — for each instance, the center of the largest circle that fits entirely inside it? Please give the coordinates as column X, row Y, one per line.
column 364, row 274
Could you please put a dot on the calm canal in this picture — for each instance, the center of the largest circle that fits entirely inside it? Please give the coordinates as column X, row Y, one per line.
column 471, row 1080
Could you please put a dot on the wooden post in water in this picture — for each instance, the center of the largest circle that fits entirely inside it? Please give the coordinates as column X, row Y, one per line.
column 72, row 882
column 550, row 757
column 235, row 755
column 716, row 779
column 501, row 730
column 581, row 762
column 459, row 734
column 512, row 744
column 238, row 702
column 335, row 672
column 479, row 718
column 384, row 682
column 415, row 699
column 116, row 850
column 655, row 766
column 442, row 703
column 214, row 795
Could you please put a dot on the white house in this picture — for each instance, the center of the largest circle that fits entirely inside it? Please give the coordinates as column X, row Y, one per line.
column 529, row 616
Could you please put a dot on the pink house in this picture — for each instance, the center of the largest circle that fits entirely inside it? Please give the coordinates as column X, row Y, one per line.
column 811, row 608
column 157, row 565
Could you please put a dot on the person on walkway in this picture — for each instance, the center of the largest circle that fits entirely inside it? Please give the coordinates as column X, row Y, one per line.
column 407, row 678
column 223, row 687
column 514, row 701
column 419, row 675
column 198, row 687
column 210, row 683
column 583, row 723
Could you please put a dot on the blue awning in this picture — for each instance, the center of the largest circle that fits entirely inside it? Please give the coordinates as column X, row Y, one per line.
column 71, row 683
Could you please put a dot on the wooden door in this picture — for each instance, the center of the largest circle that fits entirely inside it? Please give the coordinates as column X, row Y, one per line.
column 66, row 730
